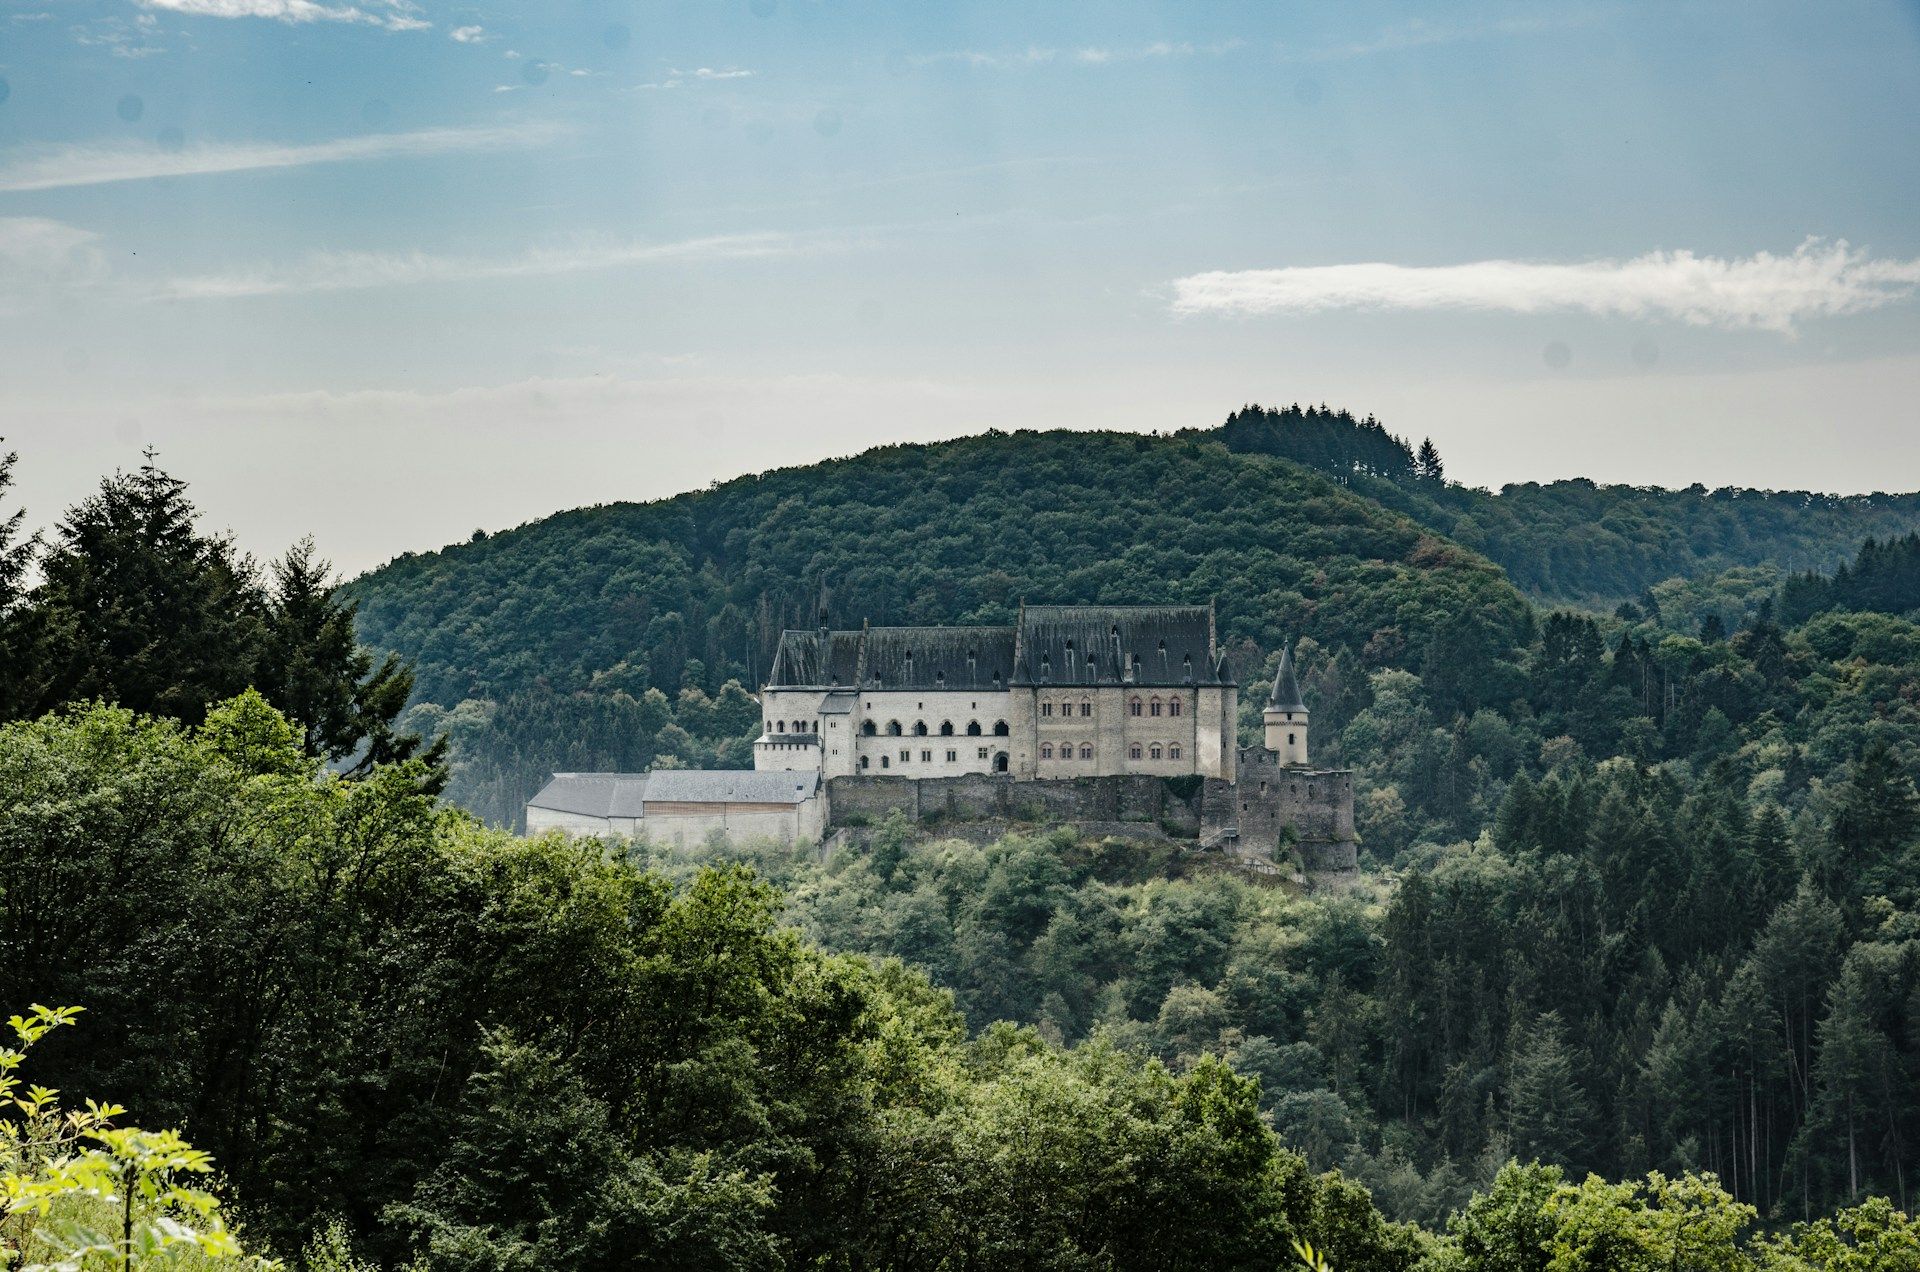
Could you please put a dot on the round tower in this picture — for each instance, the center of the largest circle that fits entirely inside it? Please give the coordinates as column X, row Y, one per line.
column 1286, row 716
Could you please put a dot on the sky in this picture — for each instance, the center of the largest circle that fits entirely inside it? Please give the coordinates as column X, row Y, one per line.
column 389, row 271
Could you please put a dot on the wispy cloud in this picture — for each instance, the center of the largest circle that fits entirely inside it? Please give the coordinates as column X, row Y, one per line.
column 1085, row 55
column 121, row 37
column 35, row 249
column 676, row 79
column 1421, row 33
column 394, row 15
column 1763, row 291
column 469, row 35
column 357, row 271
column 64, row 166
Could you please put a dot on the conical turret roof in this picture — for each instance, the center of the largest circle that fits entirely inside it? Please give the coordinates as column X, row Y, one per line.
column 1286, row 686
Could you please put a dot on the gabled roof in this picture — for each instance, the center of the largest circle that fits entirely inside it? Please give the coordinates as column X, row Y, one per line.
column 1286, row 686
column 816, row 658
column 937, row 658
column 1153, row 645
column 731, row 786
column 593, row 794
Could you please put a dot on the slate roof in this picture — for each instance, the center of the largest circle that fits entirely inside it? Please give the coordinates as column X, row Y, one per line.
column 839, row 702
column 1150, row 645
column 938, row 658
column 593, row 794
column 1286, row 686
column 731, row 786
column 816, row 658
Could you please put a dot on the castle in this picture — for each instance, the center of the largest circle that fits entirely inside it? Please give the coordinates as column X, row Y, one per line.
column 1103, row 716
column 1064, row 708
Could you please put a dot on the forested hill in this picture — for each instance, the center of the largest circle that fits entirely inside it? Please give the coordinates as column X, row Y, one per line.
column 694, row 590
column 1576, row 540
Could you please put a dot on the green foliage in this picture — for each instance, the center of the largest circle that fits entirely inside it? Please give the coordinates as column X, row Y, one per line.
column 78, row 1192
column 135, row 605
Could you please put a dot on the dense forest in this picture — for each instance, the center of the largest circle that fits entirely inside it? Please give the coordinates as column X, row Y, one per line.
column 536, row 648
column 1639, row 905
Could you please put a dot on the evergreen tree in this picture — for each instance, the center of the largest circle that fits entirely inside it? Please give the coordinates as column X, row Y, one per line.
column 16, row 557
column 1549, row 1116
column 138, row 607
column 312, row 668
column 1427, row 465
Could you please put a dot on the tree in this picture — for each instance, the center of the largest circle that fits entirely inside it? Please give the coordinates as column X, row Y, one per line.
column 1427, row 465
column 313, row 668
column 1549, row 1116
column 16, row 558
column 138, row 607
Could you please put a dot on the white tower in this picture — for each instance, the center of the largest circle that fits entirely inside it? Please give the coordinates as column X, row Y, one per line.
column 1286, row 716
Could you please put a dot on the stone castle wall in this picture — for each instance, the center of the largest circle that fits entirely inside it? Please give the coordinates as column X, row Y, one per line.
column 993, row 797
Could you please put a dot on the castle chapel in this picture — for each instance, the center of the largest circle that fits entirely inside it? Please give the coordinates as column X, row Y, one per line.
column 1067, row 691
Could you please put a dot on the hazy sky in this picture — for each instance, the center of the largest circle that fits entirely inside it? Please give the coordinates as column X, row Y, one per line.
column 389, row 270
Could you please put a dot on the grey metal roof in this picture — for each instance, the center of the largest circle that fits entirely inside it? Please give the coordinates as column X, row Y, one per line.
column 1286, row 686
column 736, row 786
column 1108, row 644
column 593, row 794
column 840, row 702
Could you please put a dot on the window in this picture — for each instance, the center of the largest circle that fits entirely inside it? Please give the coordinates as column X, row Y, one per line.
column 1046, row 708
column 1046, row 750
column 919, row 728
column 983, row 752
column 1156, row 707
column 867, row 729
column 1086, row 750
column 926, row 757
column 1000, row 729
column 1173, row 752
column 1133, row 708
column 866, row 758
column 886, row 761
column 1289, row 739
column 893, row 728
column 1086, row 710
column 1133, row 752
column 946, row 728
column 1173, row 708
column 779, row 726
column 952, row 756
column 973, row 728
column 1154, row 751
column 905, row 756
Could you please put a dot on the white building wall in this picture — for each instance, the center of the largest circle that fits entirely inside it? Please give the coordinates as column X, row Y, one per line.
column 927, row 756
column 541, row 820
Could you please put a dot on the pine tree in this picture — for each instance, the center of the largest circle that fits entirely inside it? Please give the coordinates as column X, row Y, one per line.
column 138, row 607
column 1427, row 465
column 1549, row 1116
column 16, row 557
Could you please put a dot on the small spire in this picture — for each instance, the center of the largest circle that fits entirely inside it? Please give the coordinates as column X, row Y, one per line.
column 1286, row 686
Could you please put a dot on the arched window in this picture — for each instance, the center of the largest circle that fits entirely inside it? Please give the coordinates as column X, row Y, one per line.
column 973, row 728
column 1156, row 707
column 919, row 728
column 946, row 728
column 865, row 760
column 1173, row 752
column 1173, row 708
column 1133, row 708
column 799, row 726
column 779, row 726
column 1000, row 729
column 893, row 728
column 1046, row 750
column 1154, row 750
column 1086, row 750
column 1133, row 752
column 867, row 729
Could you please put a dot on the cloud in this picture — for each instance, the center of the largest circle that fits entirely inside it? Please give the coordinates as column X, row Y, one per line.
column 1421, row 33
column 469, row 35
column 65, row 166
column 676, row 79
column 356, row 271
column 394, row 15
column 1762, row 291
column 1090, row 55
column 35, row 249
column 727, row 73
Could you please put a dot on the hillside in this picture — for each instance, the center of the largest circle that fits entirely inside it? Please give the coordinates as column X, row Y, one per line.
column 695, row 589
column 1578, row 541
